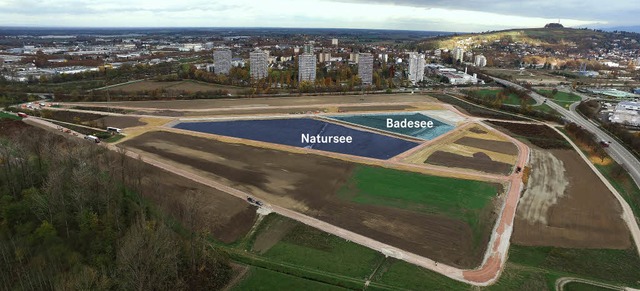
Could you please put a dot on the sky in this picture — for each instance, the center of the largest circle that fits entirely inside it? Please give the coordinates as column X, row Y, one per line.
column 426, row 15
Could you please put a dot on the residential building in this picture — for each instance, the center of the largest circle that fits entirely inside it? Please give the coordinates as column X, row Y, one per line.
column 458, row 54
column 479, row 61
column 222, row 61
column 353, row 57
column 416, row 67
column 324, row 57
column 308, row 48
column 334, row 42
column 365, row 68
column 259, row 63
column 307, row 68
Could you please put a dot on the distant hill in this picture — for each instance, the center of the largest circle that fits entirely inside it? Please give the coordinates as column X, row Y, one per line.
column 635, row 29
column 548, row 37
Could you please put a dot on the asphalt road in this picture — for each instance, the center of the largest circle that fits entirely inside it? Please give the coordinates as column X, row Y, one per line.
column 618, row 152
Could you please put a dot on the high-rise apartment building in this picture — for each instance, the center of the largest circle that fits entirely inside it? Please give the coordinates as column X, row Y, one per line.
column 479, row 61
column 334, row 41
column 222, row 61
column 365, row 68
column 416, row 67
column 458, row 54
column 307, row 68
column 259, row 64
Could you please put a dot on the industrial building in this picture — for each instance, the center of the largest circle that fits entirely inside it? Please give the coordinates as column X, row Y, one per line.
column 222, row 61
column 259, row 64
column 627, row 113
column 307, row 68
column 365, row 68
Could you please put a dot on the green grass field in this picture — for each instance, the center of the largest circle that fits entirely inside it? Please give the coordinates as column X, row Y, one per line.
column 4, row 115
column 454, row 198
column 577, row 286
column 312, row 248
column 404, row 275
column 512, row 99
column 612, row 266
column 263, row 279
column 563, row 99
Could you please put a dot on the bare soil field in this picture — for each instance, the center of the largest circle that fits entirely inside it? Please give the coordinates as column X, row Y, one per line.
column 503, row 147
column 474, row 148
column 538, row 135
column 187, row 85
column 584, row 215
column 120, row 121
column 308, row 184
column 225, row 217
column 479, row 162
column 265, row 101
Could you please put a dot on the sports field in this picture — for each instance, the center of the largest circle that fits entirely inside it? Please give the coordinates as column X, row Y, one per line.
column 290, row 132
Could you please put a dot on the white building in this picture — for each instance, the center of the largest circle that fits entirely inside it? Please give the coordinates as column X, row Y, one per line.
column 458, row 54
column 479, row 61
column 222, row 61
column 259, row 64
column 365, row 68
column 334, row 41
column 416, row 67
column 324, row 57
column 353, row 57
column 307, row 68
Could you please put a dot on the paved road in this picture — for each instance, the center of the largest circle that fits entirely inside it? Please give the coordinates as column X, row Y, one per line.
column 618, row 152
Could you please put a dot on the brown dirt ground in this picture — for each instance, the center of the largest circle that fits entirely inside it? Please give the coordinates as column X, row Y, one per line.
column 119, row 121
column 308, row 183
column 479, row 162
column 587, row 216
column 316, row 101
column 503, row 147
column 227, row 218
column 143, row 86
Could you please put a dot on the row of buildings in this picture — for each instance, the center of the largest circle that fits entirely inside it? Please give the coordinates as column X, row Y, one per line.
column 259, row 64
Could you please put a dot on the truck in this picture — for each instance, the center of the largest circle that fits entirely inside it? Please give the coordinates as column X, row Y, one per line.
column 114, row 130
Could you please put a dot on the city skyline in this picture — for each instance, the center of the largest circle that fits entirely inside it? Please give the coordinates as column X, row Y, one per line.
column 464, row 16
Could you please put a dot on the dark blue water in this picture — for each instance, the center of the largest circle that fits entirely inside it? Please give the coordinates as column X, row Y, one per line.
column 289, row 131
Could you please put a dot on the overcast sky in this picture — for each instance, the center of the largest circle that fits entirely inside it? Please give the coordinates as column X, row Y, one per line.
column 438, row 15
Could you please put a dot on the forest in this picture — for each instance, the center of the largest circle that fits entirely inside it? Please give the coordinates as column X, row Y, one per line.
column 72, row 218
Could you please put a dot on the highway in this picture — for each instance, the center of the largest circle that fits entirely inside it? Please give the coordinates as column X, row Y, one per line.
column 616, row 150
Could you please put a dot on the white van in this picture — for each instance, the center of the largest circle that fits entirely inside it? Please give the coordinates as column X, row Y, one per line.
column 92, row 138
column 114, row 129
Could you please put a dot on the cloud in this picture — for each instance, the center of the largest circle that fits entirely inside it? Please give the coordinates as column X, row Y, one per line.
column 438, row 15
column 618, row 11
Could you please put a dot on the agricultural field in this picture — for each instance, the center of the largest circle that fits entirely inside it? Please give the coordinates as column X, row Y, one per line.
column 535, row 77
column 475, row 148
column 315, row 185
column 537, row 135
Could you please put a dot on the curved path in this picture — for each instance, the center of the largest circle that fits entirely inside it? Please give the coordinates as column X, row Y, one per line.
column 565, row 280
column 486, row 274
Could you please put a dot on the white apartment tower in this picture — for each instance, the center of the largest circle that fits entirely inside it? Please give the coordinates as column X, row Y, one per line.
column 458, row 54
column 334, row 41
column 259, row 63
column 365, row 68
column 479, row 61
column 222, row 61
column 307, row 68
column 416, row 67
